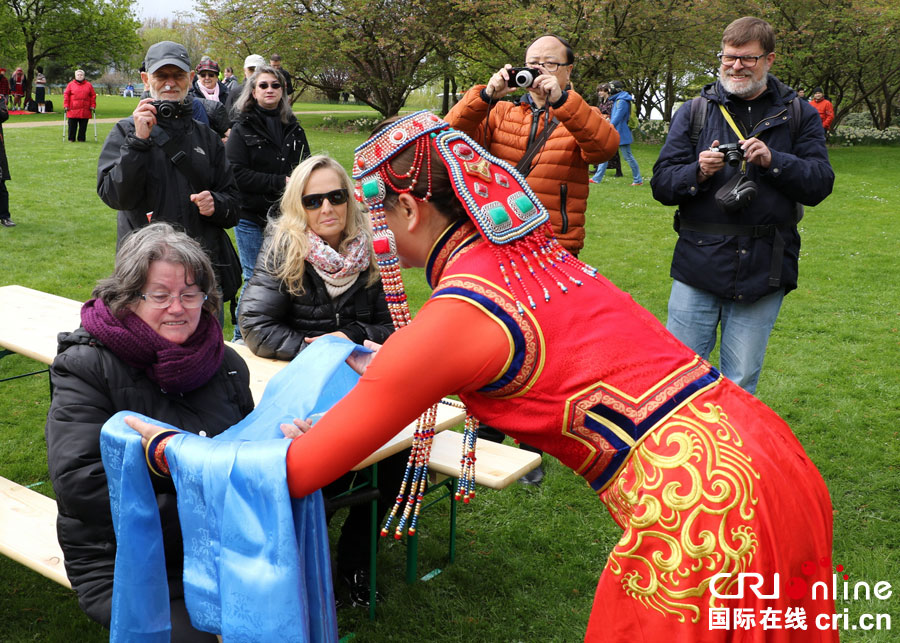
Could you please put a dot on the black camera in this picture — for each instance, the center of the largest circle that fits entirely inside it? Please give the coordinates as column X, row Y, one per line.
column 522, row 76
column 733, row 152
column 168, row 108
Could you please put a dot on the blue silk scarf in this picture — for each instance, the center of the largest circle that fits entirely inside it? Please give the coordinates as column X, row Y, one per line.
column 256, row 562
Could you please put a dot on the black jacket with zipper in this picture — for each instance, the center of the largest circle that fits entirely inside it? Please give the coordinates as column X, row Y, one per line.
column 90, row 384
column 260, row 164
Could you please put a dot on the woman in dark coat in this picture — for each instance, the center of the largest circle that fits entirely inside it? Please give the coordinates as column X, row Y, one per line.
column 265, row 145
column 316, row 275
column 206, row 82
column 150, row 343
column 5, row 218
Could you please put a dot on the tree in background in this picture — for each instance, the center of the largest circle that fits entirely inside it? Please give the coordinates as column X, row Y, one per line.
column 180, row 29
column 75, row 33
column 850, row 48
column 378, row 51
column 664, row 50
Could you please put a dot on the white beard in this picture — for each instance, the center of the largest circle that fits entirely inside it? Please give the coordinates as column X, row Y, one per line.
column 746, row 90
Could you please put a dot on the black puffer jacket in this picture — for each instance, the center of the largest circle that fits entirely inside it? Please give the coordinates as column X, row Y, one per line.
column 260, row 163
column 89, row 385
column 274, row 323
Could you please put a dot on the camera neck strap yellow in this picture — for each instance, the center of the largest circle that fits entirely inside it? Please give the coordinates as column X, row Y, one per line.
column 736, row 129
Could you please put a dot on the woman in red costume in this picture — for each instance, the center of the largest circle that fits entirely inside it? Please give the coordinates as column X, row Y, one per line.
column 706, row 482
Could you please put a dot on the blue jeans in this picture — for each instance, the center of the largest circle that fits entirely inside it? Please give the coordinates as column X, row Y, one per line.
column 625, row 153
column 249, row 238
column 695, row 314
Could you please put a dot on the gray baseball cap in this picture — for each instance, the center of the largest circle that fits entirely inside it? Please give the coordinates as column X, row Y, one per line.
column 166, row 53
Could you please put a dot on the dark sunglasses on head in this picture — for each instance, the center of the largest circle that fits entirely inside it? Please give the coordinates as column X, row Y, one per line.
column 314, row 201
column 265, row 85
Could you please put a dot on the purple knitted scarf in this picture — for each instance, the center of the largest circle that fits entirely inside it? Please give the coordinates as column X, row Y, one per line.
column 177, row 368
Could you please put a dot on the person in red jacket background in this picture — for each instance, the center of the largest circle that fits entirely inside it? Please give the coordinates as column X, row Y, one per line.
column 79, row 101
column 824, row 107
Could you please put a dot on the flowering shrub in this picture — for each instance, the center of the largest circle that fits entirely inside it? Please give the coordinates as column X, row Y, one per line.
column 849, row 136
column 360, row 124
column 652, row 131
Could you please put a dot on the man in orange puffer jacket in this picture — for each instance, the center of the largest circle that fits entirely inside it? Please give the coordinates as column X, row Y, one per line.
column 559, row 171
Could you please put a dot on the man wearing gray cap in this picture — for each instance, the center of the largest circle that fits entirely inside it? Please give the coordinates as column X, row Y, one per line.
column 161, row 165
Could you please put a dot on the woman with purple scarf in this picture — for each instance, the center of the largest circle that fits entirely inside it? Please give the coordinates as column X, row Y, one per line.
column 149, row 342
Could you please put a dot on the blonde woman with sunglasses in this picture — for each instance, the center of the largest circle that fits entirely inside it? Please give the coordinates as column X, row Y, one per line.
column 316, row 275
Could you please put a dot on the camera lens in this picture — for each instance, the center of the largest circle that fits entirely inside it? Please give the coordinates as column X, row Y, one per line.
column 165, row 110
column 733, row 157
column 524, row 78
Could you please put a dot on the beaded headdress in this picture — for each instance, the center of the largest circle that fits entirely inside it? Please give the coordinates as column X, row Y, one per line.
column 507, row 214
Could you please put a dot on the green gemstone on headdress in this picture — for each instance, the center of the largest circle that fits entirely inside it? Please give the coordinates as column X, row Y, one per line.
column 524, row 205
column 498, row 216
column 370, row 189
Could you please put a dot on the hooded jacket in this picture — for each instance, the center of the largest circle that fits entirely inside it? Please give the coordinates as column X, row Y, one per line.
column 621, row 112
column 559, row 174
column 739, row 267
column 89, row 384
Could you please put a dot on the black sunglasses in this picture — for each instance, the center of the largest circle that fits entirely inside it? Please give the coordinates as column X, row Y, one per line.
column 335, row 197
column 265, row 85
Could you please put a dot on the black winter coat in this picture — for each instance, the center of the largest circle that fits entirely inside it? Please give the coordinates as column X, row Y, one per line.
column 260, row 164
column 4, row 164
column 730, row 266
column 135, row 176
column 90, row 384
column 274, row 323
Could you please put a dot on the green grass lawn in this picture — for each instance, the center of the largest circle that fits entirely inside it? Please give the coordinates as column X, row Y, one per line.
column 528, row 559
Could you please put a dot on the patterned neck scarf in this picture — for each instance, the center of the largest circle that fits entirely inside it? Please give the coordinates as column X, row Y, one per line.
column 338, row 271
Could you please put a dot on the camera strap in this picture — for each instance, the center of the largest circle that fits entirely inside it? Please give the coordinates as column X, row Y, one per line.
column 736, row 130
column 524, row 164
column 182, row 162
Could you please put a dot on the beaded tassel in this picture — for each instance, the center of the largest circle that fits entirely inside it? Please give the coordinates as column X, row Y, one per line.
column 417, row 469
column 466, row 489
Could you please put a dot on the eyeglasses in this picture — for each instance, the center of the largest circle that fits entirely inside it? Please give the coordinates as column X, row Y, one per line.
column 265, row 85
column 747, row 61
column 548, row 65
column 314, row 201
column 164, row 299
column 204, row 74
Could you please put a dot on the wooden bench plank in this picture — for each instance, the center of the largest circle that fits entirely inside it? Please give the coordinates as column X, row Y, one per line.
column 32, row 319
column 28, row 530
column 496, row 465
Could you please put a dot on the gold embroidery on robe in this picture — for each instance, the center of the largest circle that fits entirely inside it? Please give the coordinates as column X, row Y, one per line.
column 686, row 502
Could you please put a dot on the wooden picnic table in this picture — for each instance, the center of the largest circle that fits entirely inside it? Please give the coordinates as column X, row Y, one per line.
column 30, row 321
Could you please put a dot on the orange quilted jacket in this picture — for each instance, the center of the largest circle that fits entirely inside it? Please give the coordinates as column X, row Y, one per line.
column 559, row 173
